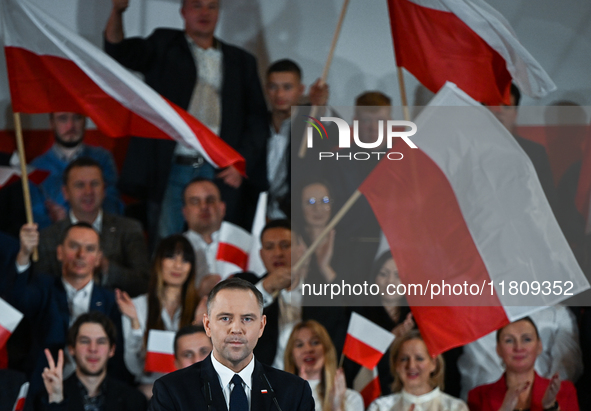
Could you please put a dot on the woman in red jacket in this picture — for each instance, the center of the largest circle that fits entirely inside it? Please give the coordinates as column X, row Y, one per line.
column 521, row 388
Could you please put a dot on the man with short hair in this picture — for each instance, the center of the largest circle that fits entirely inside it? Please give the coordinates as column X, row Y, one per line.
column 49, row 204
column 284, row 90
column 125, row 263
column 52, row 304
column 216, row 83
column 91, row 342
column 204, row 212
column 231, row 378
column 191, row 345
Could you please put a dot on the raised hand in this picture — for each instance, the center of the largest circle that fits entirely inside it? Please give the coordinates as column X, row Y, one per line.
column 318, row 93
column 120, row 5
column 231, row 176
column 324, row 254
column 29, row 239
column 127, row 307
column 512, row 397
column 404, row 326
column 338, row 391
column 551, row 392
column 53, row 378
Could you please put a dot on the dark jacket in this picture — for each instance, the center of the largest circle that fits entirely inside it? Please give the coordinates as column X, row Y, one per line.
column 197, row 388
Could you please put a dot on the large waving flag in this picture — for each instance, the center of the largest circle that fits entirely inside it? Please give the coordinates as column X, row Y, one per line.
column 467, row 207
column 466, row 42
column 51, row 68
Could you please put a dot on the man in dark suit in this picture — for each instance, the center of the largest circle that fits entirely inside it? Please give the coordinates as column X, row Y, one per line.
column 51, row 304
column 215, row 82
column 91, row 342
column 231, row 378
column 124, row 263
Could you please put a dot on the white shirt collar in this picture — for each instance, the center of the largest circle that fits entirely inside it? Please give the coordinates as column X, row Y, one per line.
column 418, row 399
column 225, row 374
column 97, row 224
column 71, row 291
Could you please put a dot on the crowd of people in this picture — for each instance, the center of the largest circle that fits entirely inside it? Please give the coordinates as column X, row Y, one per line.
column 93, row 282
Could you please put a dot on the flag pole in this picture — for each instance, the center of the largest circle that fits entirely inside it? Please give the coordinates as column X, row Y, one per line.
column 24, row 176
column 402, row 88
column 338, row 216
column 314, row 109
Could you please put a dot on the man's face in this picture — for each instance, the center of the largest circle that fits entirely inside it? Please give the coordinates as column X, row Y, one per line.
column 276, row 248
column 369, row 126
column 191, row 348
column 201, row 17
column 85, row 190
column 68, row 128
column 203, row 210
column 92, row 350
column 284, row 90
column 234, row 324
column 507, row 115
column 79, row 254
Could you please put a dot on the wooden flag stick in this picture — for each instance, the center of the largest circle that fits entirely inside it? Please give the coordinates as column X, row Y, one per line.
column 402, row 93
column 24, row 176
column 338, row 216
column 333, row 46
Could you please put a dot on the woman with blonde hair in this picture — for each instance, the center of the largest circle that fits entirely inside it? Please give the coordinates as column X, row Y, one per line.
column 169, row 305
column 418, row 379
column 310, row 354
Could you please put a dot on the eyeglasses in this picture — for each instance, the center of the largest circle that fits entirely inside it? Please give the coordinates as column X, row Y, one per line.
column 313, row 200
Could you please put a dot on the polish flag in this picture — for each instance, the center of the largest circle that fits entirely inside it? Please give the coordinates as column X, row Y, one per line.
column 51, row 68
column 234, row 247
column 367, row 384
column 366, row 342
column 160, row 352
column 10, row 175
column 19, row 405
column 10, row 317
column 466, row 42
column 467, row 208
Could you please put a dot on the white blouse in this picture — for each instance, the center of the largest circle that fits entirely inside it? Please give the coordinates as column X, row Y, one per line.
column 353, row 400
column 134, row 354
column 432, row 401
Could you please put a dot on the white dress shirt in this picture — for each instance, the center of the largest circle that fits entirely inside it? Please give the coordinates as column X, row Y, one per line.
column 353, row 400
column 204, row 252
column 225, row 376
column 432, row 401
column 133, row 340
column 97, row 224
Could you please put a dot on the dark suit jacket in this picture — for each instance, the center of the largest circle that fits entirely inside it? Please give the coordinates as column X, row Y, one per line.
column 169, row 68
column 197, row 387
column 120, row 397
column 43, row 301
column 122, row 242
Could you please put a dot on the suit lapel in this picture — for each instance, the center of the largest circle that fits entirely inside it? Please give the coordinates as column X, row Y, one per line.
column 261, row 397
column 209, row 378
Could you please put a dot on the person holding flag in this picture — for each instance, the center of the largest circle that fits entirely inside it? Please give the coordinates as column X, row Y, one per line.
column 418, row 379
column 311, row 355
column 217, row 84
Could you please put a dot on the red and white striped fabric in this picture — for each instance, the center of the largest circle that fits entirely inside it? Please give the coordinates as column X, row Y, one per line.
column 19, row 405
column 367, row 383
column 233, row 250
column 160, row 352
column 466, row 42
column 10, row 175
column 10, row 317
column 366, row 342
column 51, row 68
column 255, row 263
column 467, row 207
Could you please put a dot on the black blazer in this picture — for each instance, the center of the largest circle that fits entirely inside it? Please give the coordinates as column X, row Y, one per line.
column 120, row 397
column 169, row 68
column 197, row 388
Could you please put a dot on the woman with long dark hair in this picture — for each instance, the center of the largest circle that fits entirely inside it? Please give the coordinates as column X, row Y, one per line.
column 169, row 305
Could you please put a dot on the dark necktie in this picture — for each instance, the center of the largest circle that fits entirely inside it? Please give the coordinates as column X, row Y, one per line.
column 238, row 401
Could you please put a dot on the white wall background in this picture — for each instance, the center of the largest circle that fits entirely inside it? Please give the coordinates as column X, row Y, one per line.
column 556, row 33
